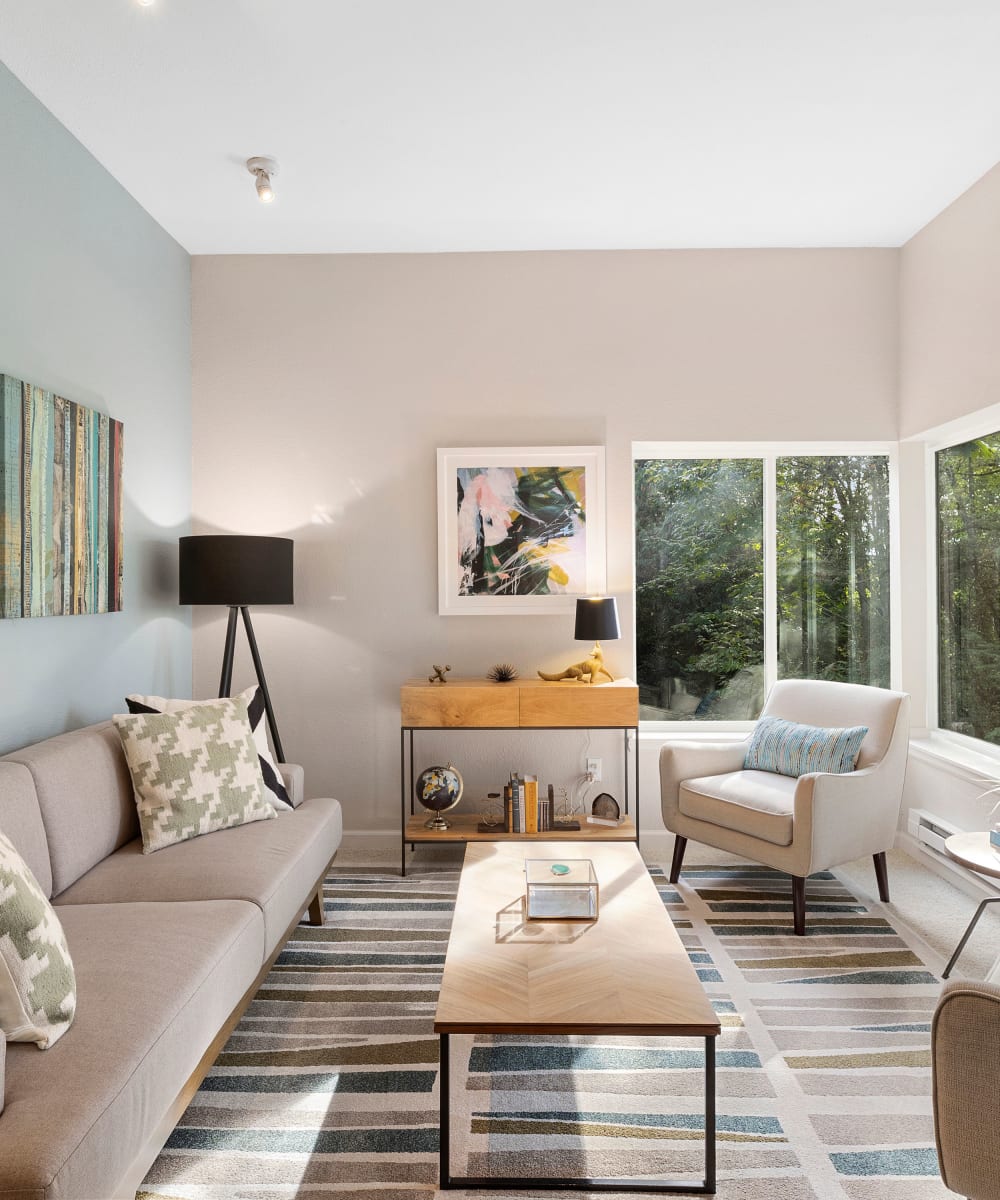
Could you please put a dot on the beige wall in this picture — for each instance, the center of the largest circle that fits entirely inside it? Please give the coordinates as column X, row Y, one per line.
column 322, row 386
column 950, row 312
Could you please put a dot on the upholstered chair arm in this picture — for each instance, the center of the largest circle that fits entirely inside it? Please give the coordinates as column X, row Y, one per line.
column 843, row 817
column 691, row 760
column 294, row 779
column 965, row 1048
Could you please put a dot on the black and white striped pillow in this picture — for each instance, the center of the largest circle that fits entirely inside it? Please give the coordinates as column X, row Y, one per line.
column 254, row 699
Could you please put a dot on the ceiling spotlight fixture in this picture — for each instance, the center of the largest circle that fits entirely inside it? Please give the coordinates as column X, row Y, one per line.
column 145, row 3
column 262, row 169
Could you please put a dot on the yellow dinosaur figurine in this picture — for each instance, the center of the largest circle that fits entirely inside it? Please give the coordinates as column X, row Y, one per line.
column 592, row 666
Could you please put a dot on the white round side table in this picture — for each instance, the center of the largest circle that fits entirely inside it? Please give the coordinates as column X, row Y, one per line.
column 973, row 850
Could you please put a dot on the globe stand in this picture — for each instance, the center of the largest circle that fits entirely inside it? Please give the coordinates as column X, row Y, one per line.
column 437, row 822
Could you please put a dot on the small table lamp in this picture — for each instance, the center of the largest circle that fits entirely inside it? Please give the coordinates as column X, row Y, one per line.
column 596, row 618
column 238, row 571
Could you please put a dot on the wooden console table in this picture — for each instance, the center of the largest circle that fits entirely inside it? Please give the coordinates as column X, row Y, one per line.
column 523, row 704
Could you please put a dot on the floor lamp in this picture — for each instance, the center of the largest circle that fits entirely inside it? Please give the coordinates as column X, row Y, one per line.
column 238, row 571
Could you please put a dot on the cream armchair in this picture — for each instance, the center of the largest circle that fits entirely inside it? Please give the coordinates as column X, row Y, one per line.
column 798, row 825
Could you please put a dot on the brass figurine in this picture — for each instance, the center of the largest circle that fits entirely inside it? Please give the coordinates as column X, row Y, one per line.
column 592, row 667
column 438, row 676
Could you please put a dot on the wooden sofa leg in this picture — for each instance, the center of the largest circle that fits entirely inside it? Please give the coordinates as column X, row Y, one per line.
column 882, row 876
column 680, row 845
column 799, row 904
column 316, row 907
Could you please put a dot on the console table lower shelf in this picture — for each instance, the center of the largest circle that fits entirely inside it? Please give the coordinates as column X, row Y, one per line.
column 465, row 828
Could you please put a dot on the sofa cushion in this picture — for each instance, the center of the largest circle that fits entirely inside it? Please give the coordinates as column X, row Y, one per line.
column 269, row 863
column 757, row 803
column 793, row 749
column 256, row 710
column 156, row 983
column 37, row 984
column 85, row 797
column 194, row 771
column 21, row 821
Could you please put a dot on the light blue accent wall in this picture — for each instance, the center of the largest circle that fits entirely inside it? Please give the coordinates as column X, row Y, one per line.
column 95, row 304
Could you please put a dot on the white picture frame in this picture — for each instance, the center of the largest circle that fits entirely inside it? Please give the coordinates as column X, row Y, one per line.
column 524, row 532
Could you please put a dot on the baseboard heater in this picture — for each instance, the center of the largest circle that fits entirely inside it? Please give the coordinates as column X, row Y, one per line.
column 930, row 831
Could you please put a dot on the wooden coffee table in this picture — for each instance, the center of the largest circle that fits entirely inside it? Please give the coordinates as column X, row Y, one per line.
column 625, row 974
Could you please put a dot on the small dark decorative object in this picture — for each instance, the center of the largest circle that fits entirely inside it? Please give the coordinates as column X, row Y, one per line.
column 606, row 806
column 438, row 676
column 502, row 673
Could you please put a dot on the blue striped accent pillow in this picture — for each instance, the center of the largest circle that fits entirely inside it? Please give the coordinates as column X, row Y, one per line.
column 790, row 749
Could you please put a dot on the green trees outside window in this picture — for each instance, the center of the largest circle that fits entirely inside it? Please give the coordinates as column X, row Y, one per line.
column 968, row 537
column 703, row 551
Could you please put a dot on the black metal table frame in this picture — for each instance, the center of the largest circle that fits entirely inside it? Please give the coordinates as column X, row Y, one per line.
column 411, row 729
column 968, row 933
column 496, row 1183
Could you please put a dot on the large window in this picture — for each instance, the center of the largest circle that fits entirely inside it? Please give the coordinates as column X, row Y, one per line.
column 968, row 537
column 754, row 568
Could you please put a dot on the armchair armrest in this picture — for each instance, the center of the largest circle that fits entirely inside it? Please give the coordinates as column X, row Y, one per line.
column 847, row 816
column 965, row 1049
column 294, row 779
column 691, row 760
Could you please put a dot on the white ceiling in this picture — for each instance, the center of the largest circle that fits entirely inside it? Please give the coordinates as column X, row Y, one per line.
column 427, row 125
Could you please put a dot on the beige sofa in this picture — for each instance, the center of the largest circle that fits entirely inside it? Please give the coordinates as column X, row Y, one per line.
column 169, row 949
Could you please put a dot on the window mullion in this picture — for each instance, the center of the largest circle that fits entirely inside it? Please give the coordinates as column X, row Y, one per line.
column 770, row 572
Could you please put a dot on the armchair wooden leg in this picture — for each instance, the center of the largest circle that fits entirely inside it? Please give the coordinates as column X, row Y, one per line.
column 882, row 876
column 799, row 904
column 316, row 907
column 680, row 845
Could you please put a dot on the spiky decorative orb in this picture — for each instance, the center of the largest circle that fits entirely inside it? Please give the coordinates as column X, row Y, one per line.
column 502, row 673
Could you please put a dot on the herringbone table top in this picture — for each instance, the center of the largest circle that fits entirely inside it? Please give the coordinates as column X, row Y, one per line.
column 627, row 973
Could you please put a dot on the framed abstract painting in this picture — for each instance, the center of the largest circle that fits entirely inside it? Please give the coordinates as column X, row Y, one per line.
column 60, row 505
column 520, row 530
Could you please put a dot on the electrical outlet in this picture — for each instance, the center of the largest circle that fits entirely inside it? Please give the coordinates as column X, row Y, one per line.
column 594, row 770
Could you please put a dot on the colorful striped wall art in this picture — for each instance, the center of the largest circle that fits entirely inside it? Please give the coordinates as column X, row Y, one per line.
column 60, row 505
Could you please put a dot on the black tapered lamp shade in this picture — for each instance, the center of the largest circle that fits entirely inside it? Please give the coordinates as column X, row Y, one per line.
column 597, row 619
column 238, row 570
column 235, row 570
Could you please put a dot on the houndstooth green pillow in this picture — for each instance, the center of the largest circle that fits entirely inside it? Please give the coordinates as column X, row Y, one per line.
column 37, row 981
column 194, row 771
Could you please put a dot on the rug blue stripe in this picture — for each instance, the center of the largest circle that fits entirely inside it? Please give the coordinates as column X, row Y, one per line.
column 815, row 904
column 318, row 957
column 725, row 1123
column 351, row 1082
column 510, row 1058
column 919, row 1160
column 306, row 1141
column 871, row 977
column 922, row 1027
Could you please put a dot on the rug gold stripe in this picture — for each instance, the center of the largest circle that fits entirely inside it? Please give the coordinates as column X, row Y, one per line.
column 888, row 1058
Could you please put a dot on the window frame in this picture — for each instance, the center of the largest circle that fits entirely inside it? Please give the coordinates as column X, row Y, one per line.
column 955, row 433
column 769, row 453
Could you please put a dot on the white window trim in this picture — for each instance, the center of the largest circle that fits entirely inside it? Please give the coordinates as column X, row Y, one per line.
column 769, row 452
column 945, row 744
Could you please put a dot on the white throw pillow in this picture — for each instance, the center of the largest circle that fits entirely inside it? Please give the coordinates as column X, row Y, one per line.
column 37, row 980
column 194, row 771
column 254, row 699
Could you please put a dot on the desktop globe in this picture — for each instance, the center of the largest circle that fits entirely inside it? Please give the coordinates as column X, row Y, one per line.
column 439, row 789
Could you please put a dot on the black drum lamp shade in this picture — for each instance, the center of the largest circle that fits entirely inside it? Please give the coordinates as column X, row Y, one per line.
column 237, row 571
column 596, row 619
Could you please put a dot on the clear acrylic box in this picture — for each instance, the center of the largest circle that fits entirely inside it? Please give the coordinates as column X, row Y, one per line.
column 555, row 895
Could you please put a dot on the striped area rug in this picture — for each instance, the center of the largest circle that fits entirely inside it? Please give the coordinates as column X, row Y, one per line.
column 328, row 1086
